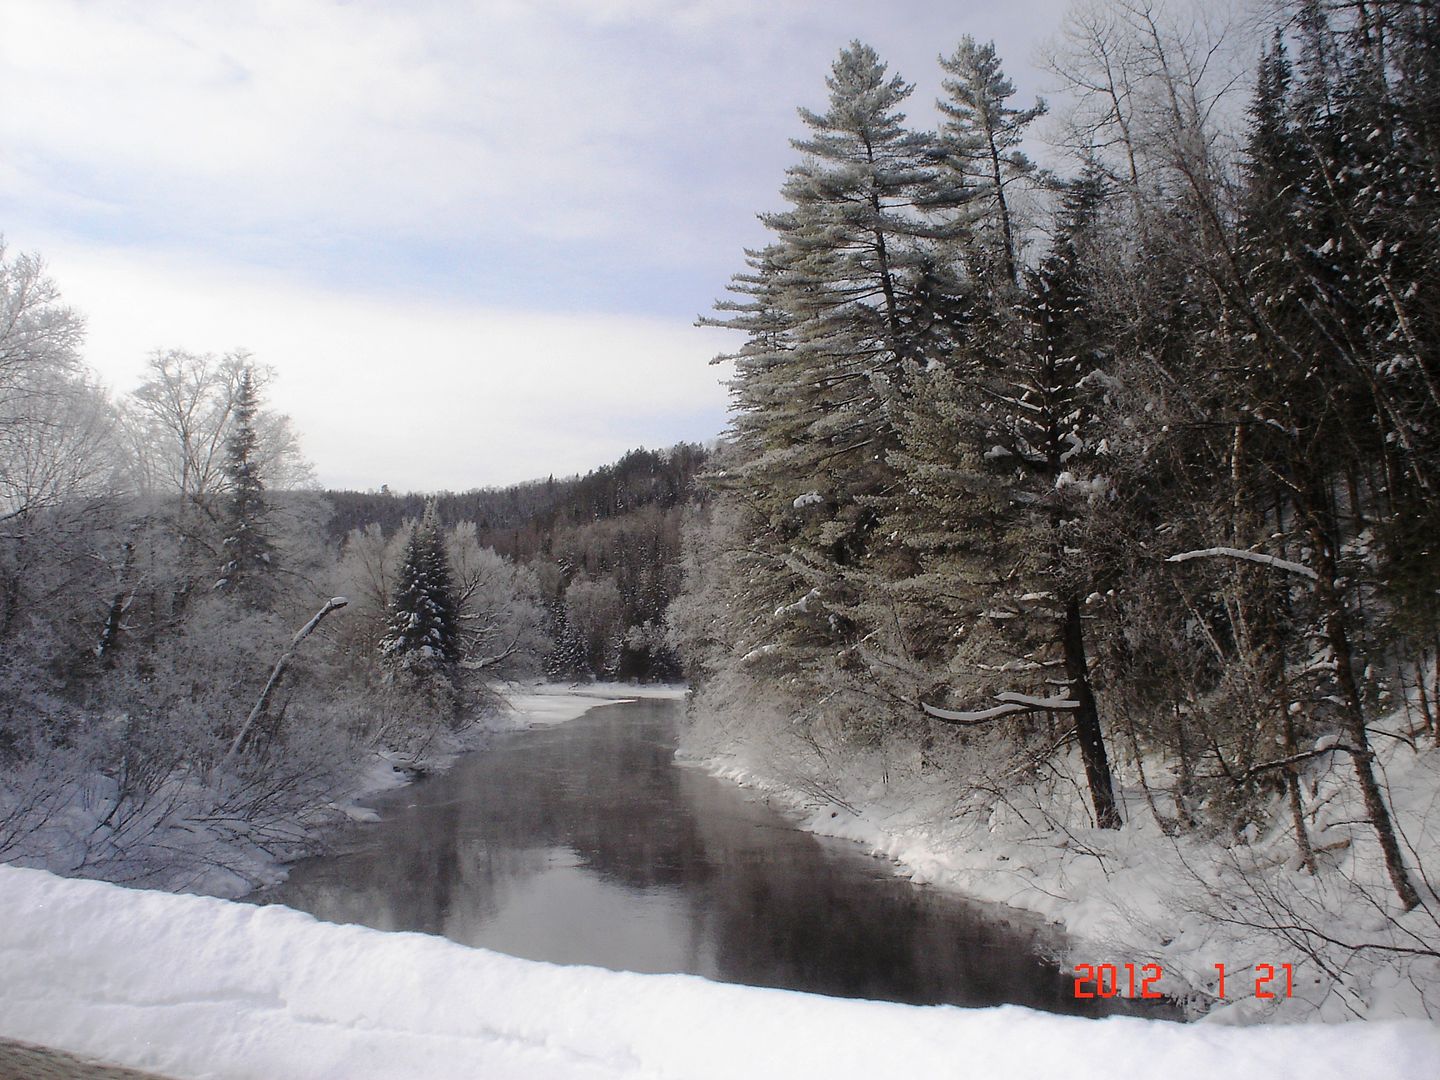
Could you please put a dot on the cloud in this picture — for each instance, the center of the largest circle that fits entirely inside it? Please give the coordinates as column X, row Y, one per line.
column 471, row 234
column 608, row 120
column 252, row 115
column 414, row 394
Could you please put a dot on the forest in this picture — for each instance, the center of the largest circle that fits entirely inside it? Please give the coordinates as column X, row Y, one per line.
column 1105, row 491
column 201, row 653
column 605, row 548
column 1092, row 496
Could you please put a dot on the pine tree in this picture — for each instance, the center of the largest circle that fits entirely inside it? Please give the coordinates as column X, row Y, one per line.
column 422, row 635
column 981, row 137
column 854, row 286
column 249, row 567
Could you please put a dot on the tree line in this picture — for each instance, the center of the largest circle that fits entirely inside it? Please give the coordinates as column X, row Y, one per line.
column 1134, row 460
column 193, row 668
column 604, row 547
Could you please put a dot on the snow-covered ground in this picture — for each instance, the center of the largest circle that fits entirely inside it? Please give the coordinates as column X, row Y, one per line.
column 1139, row 896
column 556, row 703
column 192, row 986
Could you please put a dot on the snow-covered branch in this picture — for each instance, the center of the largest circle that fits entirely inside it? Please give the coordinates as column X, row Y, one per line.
column 1010, row 704
column 1295, row 759
column 333, row 604
column 1250, row 556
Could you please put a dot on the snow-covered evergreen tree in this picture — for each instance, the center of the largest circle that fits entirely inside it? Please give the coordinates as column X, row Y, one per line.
column 981, row 137
column 853, row 286
column 249, row 552
column 998, row 470
column 422, row 635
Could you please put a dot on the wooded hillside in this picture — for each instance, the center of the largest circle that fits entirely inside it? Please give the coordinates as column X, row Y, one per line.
column 605, row 548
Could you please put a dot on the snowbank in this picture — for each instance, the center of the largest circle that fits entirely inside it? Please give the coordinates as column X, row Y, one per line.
column 1139, row 896
column 558, row 703
column 192, row 986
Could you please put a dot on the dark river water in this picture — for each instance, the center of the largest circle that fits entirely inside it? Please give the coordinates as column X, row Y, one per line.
column 585, row 843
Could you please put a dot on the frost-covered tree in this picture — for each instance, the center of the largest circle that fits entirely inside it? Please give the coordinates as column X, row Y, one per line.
column 40, row 394
column 999, row 470
column 566, row 658
column 981, row 136
column 178, row 421
column 854, row 285
column 60, row 465
column 422, row 633
column 1334, row 397
column 499, row 615
column 249, row 552
column 851, row 284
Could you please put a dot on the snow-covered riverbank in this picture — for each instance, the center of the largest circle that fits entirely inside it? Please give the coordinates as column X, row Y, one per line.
column 224, row 834
column 1139, row 896
column 197, row 987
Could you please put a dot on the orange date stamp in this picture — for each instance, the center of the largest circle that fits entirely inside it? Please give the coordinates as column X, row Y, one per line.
column 1139, row 982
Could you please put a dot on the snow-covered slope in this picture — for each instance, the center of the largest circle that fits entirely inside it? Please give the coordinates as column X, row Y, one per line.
column 196, row 987
column 1138, row 895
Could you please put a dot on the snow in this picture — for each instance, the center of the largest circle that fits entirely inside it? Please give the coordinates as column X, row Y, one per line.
column 801, row 606
column 1010, row 702
column 543, row 704
column 1096, row 487
column 1035, row 702
column 197, row 987
column 1250, row 556
column 1142, row 895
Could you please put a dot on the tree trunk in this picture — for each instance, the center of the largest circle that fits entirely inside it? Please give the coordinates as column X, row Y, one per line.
column 115, row 617
column 1424, row 698
column 1186, row 789
column 1292, row 788
column 333, row 604
column 1338, row 639
column 1087, row 720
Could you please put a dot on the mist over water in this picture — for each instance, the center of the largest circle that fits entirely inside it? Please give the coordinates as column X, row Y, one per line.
column 587, row 844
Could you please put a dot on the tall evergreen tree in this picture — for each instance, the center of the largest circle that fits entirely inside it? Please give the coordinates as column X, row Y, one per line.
column 999, row 470
column 422, row 635
column 981, row 136
column 249, row 566
column 853, row 286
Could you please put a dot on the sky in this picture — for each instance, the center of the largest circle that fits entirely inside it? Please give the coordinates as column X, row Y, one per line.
column 470, row 236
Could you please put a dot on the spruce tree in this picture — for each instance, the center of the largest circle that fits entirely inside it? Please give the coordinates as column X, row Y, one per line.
column 422, row 635
column 249, row 564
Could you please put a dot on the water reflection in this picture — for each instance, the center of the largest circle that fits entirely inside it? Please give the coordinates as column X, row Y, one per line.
column 587, row 844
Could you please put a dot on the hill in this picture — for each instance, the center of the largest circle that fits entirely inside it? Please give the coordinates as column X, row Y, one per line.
column 605, row 547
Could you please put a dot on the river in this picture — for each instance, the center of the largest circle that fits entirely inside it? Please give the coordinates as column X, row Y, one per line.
column 585, row 843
